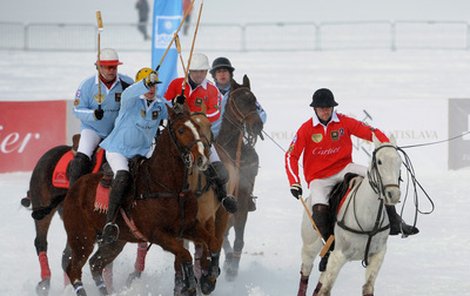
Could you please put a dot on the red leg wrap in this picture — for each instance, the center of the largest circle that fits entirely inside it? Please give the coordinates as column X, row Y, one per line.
column 44, row 263
column 141, row 254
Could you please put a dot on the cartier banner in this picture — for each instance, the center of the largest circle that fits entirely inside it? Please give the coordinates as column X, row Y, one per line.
column 28, row 130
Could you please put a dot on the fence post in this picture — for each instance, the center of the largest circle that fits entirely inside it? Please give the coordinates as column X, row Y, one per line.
column 243, row 39
column 393, row 36
column 318, row 37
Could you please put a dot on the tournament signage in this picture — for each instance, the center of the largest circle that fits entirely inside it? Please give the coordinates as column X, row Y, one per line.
column 28, row 130
column 459, row 123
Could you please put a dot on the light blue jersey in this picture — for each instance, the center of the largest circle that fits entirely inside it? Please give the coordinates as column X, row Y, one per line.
column 137, row 123
column 86, row 103
column 226, row 93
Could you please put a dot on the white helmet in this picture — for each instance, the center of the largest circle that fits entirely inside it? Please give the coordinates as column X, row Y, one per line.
column 199, row 61
column 109, row 57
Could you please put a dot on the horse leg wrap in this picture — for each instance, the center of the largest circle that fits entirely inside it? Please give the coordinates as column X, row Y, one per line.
column 303, row 285
column 44, row 264
column 139, row 265
column 188, row 278
column 317, row 289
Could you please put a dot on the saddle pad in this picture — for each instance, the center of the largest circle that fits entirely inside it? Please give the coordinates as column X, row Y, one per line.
column 59, row 176
column 101, row 198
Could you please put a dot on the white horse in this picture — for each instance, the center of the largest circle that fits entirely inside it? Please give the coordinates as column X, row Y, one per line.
column 362, row 227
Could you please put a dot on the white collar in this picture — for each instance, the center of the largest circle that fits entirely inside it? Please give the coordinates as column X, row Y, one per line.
column 316, row 120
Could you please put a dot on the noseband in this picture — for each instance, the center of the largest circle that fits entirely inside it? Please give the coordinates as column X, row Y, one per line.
column 375, row 180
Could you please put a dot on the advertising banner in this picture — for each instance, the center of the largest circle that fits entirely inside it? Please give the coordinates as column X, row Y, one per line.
column 28, row 130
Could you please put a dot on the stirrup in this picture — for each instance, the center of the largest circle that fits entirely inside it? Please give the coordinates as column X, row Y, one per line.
column 110, row 233
column 252, row 203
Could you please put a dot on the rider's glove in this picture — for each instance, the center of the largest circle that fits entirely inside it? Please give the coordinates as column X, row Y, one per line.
column 99, row 113
column 296, row 190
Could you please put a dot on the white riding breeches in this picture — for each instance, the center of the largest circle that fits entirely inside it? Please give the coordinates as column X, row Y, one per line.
column 214, row 156
column 89, row 140
column 320, row 188
column 117, row 162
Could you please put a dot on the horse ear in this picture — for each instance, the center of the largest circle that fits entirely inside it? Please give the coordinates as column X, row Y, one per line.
column 234, row 84
column 375, row 140
column 171, row 112
column 393, row 140
column 246, row 81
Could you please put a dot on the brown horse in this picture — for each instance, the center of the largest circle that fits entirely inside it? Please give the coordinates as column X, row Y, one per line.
column 241, row 125
column 162, row 208
column 46, row 199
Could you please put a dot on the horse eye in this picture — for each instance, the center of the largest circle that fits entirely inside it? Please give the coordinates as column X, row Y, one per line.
column 180, row 130
column 379, row 162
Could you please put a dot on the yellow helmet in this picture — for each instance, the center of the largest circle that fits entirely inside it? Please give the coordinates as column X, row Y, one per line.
column 143, row 73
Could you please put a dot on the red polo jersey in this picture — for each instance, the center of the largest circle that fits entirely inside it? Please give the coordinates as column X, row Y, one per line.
column 206, row 94
column 326, row 150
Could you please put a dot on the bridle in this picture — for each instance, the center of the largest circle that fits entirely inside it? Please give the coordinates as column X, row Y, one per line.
column 237, row 118
column 184, row 150
column 375, row 179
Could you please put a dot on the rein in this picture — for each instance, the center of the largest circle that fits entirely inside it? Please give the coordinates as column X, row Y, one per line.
column 238, row 119
column 376, row 183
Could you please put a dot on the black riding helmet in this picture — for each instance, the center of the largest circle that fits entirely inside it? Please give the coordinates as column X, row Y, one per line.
column 221, row 62
column 323, row 97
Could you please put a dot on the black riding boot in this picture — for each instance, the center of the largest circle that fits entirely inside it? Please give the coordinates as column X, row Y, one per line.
column 119, row 190
column 322, row 218
column 217, row 173
column 79, row 166
column 397, row 225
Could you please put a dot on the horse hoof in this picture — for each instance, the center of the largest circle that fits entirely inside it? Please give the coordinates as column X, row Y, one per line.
column 133, row 276
column 208, row 284
column 42, row 289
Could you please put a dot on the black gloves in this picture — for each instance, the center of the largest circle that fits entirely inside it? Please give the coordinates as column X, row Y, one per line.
column 296, row 190
column 151, row 79
column 99, row 113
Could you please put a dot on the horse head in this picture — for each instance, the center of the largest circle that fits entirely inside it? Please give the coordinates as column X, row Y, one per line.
column 186, row 134
column 242, row 104
column 384, row 171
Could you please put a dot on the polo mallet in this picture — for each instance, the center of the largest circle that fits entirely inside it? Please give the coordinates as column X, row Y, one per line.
column 329, row 241
column 99, row 21
column 188, row 65
column 178, row 49
column 185, row 16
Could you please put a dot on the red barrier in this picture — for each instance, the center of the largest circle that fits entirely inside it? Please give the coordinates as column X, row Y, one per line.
column 28, row 130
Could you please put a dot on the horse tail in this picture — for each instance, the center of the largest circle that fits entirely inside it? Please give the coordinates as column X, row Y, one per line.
column 40, row 213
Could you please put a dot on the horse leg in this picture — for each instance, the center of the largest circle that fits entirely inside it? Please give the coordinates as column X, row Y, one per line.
column 81, row 243
column 372, row 270
column 102, row 258
column 40, row 243
column 311, row 246
column 328, row 277
column 240, row 219
column 206, row 246
column 228, row 250
column 139, row 265
column 183, row 261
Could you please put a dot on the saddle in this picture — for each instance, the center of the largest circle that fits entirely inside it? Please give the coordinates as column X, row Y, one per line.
column 338, row 194
column 60, row 177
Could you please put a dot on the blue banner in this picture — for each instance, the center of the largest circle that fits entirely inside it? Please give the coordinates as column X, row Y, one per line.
column 167, row 16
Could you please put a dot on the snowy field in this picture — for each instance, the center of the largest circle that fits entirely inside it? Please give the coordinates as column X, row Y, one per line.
column 435, row 262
